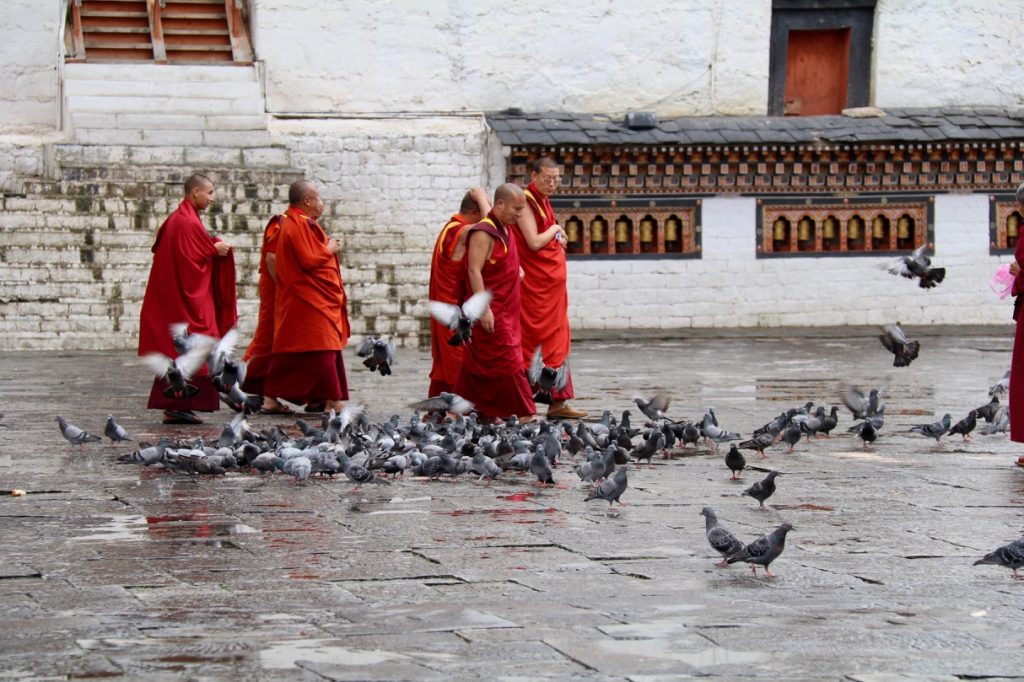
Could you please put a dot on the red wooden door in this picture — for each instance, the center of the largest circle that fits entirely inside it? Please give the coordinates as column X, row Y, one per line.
column 817, row 67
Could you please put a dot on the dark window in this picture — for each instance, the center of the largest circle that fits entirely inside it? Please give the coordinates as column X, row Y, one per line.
column 820, row 61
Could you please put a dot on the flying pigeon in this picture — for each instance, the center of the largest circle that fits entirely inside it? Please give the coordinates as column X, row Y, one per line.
column 224, row 369
column 934, row 430
column 1011, row 556
column 654, row 408
column 184, row 341
column 444, row 402
column 721, row 540
column 896, row 342
column 177, row 372
column 860, row 405
column 764, row 550
column 735, row 461
column 763, row 489
column 460, row 319
column 611, row 489
column 379, row 354
column 917, row 265
column 114, row 431
column 547, row 379
column 75, row 435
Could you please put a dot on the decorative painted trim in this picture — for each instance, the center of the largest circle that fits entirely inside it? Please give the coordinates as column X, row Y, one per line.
column 1005, row 222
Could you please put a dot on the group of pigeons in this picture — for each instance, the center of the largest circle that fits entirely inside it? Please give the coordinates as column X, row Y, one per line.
column 915, row 265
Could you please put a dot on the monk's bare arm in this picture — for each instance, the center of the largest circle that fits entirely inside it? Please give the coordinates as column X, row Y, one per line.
column 479, row 194
column 481, row 245
column 528, row 227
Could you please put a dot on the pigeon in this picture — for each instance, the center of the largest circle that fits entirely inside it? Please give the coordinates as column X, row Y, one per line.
column 540, row 468
column 829, row 422
column 1000, row 423
column 177, row 372
column 184, row 341
column 896, row 342
column 1000, row 386
column 654, row 408
column 225, row 370
column 379, row 354
column 75, row 435
column 611, row 489
column 763, row 489
column 759, row 443
column 917, row 265
column 267, row 462
column 791, row 436
column 689, row 434
column 989, row 409
column 359, row 474
column 735, row 461
column 593, row 469
column 764, row 550
column 646, row 450
column 721, row 540
column 146, row 456
column 1011, row 556
column 300, row 467
column 114, row 431
column 934, row 430
column 460, row 319
column 860, row 405
column 484, row 466
column 715, row 434
column 547, row 379
column 867, row 432
column 444, row 402
column 965, row 425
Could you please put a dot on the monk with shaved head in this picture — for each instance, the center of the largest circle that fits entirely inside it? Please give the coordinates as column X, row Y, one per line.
column 492, row 375
column 310, row 308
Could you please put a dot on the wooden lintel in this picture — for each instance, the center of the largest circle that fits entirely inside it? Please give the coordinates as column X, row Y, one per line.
column 156, row 31
column 241, row 47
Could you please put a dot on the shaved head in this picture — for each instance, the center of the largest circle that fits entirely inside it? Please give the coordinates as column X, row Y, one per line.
column 199, row 191
column 508, row 192
column 299, row 190
column 196, row 181
column 509, row 200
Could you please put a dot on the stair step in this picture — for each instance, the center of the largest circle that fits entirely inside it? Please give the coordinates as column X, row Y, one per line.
column 233, row 90
column 170, row 122
column 171, row 159
column 164, row 105
column 159, row 73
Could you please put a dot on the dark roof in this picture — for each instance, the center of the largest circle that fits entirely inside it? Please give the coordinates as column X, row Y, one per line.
column 945, row 124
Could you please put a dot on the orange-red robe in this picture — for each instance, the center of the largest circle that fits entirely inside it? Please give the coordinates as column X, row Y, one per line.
column 447, row 284
column 188, row 283
column 310, row 315
column 492, row 375
column 1016, row 398
column 258, row 354
column 545, row 309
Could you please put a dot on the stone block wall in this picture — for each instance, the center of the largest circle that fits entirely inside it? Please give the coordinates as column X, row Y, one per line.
column 30, row 41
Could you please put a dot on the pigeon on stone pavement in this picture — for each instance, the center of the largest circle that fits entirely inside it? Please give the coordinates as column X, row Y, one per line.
column 867, row 432
column 484, row 466
column 300, row 467
column 764, row 550
column 716, row 434
column 444, row 402
column 541, row 468
column 612, row 489
column 1011, row 556
column 460, row 319
column 917, row 265
column 147, row 455
column 989, row 409
column 829, row 422
column 593, row 469
column 1000, row 422
column 75, row 435
column 647, row 449
column 736, row 462
column 934, row 430
column 791, row 436
column 965, row 425
column 114, row 431
column 654, row 409
column 763, row 489
column 379, row 354
column 861, row 406
column 895, row 340
column 720, row 539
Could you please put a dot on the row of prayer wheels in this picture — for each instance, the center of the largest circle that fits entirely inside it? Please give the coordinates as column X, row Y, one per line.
column 829, row 235
column 650, row 236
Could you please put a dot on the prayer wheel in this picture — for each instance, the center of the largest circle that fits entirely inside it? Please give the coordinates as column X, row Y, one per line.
column 779, row 229
column 831, row 228
column 622, row 231
column 573, row 227
column 647, row 226
column 855, row 228
column 878, row 227
column 673, row 228
column 904, row 227
column 805, row 229
column 598, row 227
column 1012, row 226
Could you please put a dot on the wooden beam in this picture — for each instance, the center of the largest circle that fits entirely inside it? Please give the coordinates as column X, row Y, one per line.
column 77, row 37
column 241, row 47
column 156, row 31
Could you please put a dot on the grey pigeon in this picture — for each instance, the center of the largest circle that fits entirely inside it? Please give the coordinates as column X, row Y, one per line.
column 593, row 469
column 690, row 434
column 917, row 265
column 379, row 354
column 359, row 475
column 75, row 435
column 736, row 462
column 763, row 489
column 460, row 319
column 300, row 467
column 867, row 432
column 646, row 450
column 547, row 379
column 178, row 371
column 114, row 431
column 716, row 434
column 721, row 540
column 1000, row 423
column 758, row 443
column 146, row 456
column 1011, row 556
column 791, row 436
column 267, row 462
column 484, row 466
column 540, row 468
column 895, row 340
column 860, row 405
column 934, row 430
column 611, row 489
column 444, row 402
column 764, row 550
column 989, row 409
column 654, row 408
column 965, row 425
column 1000, row 386
column 829, row 422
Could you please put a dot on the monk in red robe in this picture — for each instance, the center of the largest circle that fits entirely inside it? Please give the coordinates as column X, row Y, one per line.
column 492, row 375
column 545, row 312
column 192, row 281
column 1016, row 406
column 310, row 309
column 447, row 284
column 258, row 354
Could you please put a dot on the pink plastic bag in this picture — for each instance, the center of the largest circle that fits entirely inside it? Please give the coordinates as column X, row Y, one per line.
column 1002, row 281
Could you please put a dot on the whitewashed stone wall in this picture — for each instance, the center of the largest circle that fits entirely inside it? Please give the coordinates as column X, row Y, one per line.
column 948, row 52
column 730, row 287
column 30, row 40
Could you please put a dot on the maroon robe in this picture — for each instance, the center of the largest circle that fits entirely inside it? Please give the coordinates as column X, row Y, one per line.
column 188, row 283
column 492, row 375
column 1016, row 400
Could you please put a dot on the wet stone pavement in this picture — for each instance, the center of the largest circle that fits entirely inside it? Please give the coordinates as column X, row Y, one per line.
column 113, row 570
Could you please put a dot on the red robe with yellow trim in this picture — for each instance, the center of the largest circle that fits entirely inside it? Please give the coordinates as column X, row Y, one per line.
column 492, row 375
column 447, row 284
column 545, row 309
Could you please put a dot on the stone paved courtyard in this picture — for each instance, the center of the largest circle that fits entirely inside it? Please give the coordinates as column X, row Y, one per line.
column 111, row 570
